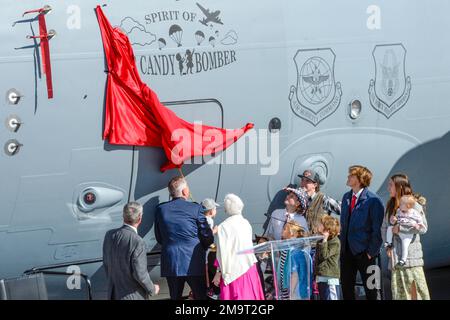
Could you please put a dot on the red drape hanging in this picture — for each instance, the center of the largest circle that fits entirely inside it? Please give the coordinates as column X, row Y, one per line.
column 135, row 116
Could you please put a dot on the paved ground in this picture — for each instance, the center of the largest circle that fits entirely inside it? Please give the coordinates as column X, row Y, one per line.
column 439, row 283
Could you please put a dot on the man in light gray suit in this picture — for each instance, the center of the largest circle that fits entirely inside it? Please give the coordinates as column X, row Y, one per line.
column 125, row 259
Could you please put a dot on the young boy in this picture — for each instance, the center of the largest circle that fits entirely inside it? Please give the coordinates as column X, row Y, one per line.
column 326, row 269
column 210, row 212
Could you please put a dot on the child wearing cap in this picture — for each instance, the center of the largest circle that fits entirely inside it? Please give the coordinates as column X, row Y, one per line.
column 210, row 211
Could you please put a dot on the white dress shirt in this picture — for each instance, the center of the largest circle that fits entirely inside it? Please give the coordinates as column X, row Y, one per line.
column 210, row 221
column 357, row 195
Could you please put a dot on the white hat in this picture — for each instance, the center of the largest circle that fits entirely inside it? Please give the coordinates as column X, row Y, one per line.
column 209, row 204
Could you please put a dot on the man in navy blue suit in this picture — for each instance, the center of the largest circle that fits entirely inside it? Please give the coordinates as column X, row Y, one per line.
column 361, row 218
column 184, row 234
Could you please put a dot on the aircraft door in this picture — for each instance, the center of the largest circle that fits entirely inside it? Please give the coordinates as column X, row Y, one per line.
column 149, row 185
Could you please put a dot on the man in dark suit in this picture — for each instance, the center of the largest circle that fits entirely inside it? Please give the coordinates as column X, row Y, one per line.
column 361, row 218
column 184, row 234
column 125, row 259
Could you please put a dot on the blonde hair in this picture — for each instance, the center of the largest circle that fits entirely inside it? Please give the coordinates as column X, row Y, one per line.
column 408, row 200
column 296, row 230
column 331, row 225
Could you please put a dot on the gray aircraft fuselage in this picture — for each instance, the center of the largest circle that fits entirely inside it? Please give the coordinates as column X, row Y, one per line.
column 303, row 62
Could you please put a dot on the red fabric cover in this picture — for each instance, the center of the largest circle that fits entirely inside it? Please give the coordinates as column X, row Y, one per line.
column 135, row 116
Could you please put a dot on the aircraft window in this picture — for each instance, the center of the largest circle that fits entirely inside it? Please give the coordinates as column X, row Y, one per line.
column 355, row 109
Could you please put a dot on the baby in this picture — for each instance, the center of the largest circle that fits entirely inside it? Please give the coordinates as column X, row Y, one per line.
column 406, row 216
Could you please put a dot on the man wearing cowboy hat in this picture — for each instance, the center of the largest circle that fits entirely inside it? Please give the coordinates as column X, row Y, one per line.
column 319, row 204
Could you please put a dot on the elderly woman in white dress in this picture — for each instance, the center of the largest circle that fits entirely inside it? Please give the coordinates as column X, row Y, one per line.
column 237, row 274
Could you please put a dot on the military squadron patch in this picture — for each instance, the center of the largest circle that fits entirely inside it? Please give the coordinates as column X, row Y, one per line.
column 317, row 95
column 390, row 89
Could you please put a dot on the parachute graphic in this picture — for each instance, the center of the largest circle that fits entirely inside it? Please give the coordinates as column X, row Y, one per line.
column 199, row 36
column 176, row 34
column 212, row 41
column 161, row 43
